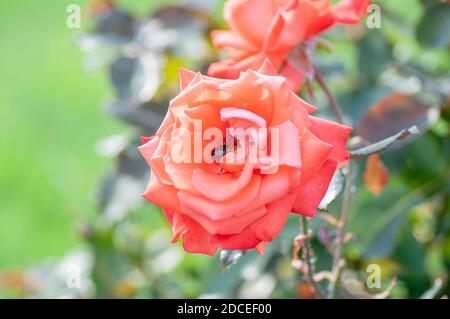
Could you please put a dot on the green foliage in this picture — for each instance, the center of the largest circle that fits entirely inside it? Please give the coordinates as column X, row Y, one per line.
column 49, row 117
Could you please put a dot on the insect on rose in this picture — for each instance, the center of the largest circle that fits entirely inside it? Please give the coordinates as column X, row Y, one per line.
column 236, row 145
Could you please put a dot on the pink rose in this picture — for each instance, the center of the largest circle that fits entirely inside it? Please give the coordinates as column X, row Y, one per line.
column 212, row 201
column 262, row 29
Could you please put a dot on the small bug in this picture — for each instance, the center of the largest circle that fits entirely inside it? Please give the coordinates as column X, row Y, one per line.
column 221, row 150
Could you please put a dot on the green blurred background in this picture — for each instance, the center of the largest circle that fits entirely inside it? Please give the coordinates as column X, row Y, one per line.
column 50, row 118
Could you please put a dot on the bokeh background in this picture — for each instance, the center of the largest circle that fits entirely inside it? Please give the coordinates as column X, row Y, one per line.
column 73, row 103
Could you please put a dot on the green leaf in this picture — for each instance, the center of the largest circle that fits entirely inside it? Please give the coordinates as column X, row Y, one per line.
column 380, row 238
column 373, row 54
column 383, row 144
column 433, row 29
column 384, row 241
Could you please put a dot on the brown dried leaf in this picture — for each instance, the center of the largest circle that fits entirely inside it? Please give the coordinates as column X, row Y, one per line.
column 96, row 7
column 376, row 174
column 305, row 291
column 298, row 244
column 392, row 114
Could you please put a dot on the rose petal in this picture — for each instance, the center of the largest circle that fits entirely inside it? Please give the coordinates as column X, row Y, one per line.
column 231, row 69
column 334, row 134
column 289, row 144
column 294, row 77
column 244, row 240
column 224, row 38
column 181, row 175
column 273, row 187
column 300, row 103
column 195, row 239
column 221, row 210
column 249, row 92
column 146, row 139
column 151, row 151
column 314, row 153
column 221, row 187
column 299, row 16
column 167, row 122
column 186, row 77
column 230, row 226
column 267, row 68
column 203, row 92
column 273, row 34
column 350, row 11
column 250, row 18
column 314, row 189
column 261, row 247
column 148, row 148
column 161, row 195
column 228, row 113
column 268, row 227
column 207, row 116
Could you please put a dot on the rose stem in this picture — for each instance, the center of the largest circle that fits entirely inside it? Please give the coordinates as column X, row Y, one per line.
column 333, row 102
column 338, row 263
column 310, row 275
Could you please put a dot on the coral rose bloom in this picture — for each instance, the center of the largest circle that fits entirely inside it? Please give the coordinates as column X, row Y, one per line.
column 272, row 28
column 214, row 203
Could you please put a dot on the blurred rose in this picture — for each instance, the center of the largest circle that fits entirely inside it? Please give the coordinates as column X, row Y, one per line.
column 262, row 29
column 214, row 202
